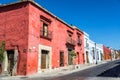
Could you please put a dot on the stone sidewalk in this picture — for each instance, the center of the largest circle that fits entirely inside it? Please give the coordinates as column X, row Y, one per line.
column 57, row 72
column 67, row 70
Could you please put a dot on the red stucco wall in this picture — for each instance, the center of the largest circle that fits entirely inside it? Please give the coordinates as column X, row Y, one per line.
column 107, row 53
column 14, row 30
column 80, row 48
column 20, row 25
column 59, row 37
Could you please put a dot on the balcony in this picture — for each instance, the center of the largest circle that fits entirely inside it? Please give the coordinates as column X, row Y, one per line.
column 79, row 42
column 46, row 34
column 71, row 41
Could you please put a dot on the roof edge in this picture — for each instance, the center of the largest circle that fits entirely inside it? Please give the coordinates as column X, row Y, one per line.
column 38, row 5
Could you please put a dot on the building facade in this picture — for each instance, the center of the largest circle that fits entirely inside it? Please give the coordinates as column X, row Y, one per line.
column 86, row 48
column 99, row 52
column 107, row 53
column 36, row 40
column 92, row 49
column 117, row 54
column 96, row 52
column 113, row 54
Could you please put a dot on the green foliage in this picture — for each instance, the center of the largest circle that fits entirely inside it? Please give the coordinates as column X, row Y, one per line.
column 73, row 54
column 2, row 50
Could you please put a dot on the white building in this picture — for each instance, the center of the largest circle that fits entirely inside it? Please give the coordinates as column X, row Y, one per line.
column 92, row 50
column 86, row 48
column 99, row 52
column 96, row 52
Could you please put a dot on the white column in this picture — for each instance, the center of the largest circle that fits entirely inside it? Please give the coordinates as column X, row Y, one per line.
column 5, row 63
column 14, row 71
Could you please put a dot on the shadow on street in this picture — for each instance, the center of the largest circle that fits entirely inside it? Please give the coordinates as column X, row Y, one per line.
column 113, row 72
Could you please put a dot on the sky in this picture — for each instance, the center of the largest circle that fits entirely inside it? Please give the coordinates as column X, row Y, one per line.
column 99, row 18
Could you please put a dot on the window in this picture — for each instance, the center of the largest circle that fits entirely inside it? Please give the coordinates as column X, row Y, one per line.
column 78, row 37
column 93, row 51
column 45, row 32
column 69, row 38
column 98, row 55
column 79, row 40
column 87, row 45
column 45, row 29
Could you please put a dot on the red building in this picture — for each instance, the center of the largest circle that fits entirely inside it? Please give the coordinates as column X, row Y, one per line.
column 107, row 53
column 41, row 40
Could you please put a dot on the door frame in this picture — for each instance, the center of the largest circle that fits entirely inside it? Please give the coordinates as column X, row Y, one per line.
column 78, row 57
column 61, row 54
column 45, row 54
column 9, row 66
column 70, row 61
column 49, row 49
column 87, row 57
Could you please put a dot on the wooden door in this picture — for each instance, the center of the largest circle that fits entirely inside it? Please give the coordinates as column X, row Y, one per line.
column 87, row 60
column 70, row 59
column 61, row 59
column 78, row 57
column 44, row 55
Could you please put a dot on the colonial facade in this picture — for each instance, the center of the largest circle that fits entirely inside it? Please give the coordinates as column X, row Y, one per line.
column 117, row 54
column 113, row 54
column 96, row 52
column 100, row 53
column 36, row 40
column 92, row 50
column 107, row 53
column 86, row 48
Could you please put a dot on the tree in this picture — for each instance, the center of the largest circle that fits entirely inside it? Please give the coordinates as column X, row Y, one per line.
column 73, row 55
column 2, row 50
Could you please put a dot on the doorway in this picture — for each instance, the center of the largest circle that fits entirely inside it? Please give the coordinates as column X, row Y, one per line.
column 78, row 57
column 61, row 59
column 44, row 59
column 87, row 60
column 10, row 54
column 70, row 59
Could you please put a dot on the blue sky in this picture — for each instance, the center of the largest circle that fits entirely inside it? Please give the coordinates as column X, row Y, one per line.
column 99, row 18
